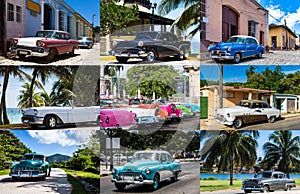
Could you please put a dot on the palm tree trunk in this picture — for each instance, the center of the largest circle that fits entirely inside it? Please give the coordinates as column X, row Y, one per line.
column 34, row 74
column 231, row 170
column 3, row 103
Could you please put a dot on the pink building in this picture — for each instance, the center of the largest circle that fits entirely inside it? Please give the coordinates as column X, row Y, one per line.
column 221, row 19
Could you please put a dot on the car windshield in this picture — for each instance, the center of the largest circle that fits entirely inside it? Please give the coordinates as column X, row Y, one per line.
column 144, row 156
column 48, row 34
column 264, row 175
column 236, row 39
column 147, row 35
column 245, row 104
column 33, row 157
column 61, row 103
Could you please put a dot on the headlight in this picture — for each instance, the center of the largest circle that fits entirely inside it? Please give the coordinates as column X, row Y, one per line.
column 41, row 167
column 229, row 49
column 40, row 43
column 148, row 171
column 208, row 48
column 113, row 171
column 228, row 114
column 35, row 112
column 23, row 112
column 140, row 43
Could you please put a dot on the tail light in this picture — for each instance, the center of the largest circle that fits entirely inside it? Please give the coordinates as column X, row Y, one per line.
column 14, row 41
column 40, row 43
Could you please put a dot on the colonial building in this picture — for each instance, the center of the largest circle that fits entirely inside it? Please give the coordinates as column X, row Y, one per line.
column 232, row 95
column 282, row 37
column 15, row 18
column 221, row 19
column 83, row 27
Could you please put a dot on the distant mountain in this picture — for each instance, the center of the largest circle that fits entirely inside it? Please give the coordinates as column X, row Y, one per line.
column 58, row 158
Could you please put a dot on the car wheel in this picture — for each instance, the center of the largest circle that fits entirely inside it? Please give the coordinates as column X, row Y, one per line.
column 120, row 186
column 72, row 53
column 151, row 55
column 216, row 60
column 155, row 182
column 90, row 46
column 266, row 188
column 247, row 191
column 259, row 55
column 181, row 55
column 272, row 119
column 237, row 58
column 48, row 175
column 238, row 123
column 50, row 121
column 122, row 59
column 52, row 54
column 175, row 177
column 14, row 178
column 22, row 56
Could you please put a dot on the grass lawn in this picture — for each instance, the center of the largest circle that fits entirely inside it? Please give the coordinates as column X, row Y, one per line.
column 4, row 172
column 215, row 185
column 89, row 177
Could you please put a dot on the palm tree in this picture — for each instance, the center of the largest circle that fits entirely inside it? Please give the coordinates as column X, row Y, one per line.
column 6, row 71
column 230, row 147
column 37, row 98
column 44, row 72
column 62, row 90
column 283, row 149
column 190, row 16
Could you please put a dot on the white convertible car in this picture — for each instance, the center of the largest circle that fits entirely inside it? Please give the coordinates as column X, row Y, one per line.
column 248, row 111
column 51, row 116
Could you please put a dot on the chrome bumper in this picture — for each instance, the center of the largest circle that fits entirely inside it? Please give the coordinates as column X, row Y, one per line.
column 140, row 54
column 29, row 51
column 30, row 119
column 27, row 174
column 144, row 182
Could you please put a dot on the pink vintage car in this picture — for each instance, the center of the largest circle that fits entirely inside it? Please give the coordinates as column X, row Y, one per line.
column 173, row 112
column 116, row 118
column 46, row 43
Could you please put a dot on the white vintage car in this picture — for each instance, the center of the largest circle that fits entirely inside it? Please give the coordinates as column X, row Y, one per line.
column 144, row 116
column 247, row 111
column 51, row 116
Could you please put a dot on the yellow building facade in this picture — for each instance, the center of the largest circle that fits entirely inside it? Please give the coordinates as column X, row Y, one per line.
column 281, row 37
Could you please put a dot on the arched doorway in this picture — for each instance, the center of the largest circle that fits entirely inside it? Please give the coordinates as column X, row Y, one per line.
column 48, row 18
column 229, row 23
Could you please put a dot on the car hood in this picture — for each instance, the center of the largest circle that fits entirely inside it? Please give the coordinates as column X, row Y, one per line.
column 232, row 109
column 29, row 41
column 223, row 45
column 29, row 164
column 30, row 111
column 140, row 164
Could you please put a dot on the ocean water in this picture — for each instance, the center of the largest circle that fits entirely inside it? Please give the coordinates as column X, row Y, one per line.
column 14, row 115
column 237, row 176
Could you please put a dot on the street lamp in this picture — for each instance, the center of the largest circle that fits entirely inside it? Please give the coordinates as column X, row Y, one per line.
column 153, row 7
column 93, row 26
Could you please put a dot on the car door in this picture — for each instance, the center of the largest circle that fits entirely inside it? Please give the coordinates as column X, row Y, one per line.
column 251, row 46
column 165, row 166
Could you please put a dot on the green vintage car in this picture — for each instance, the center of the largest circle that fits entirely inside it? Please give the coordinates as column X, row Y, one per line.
column 186, row 112
column 147, row 167
column 32, row 165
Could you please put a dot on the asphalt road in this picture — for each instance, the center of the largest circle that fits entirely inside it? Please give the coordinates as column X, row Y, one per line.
column 288, row 123
column 56, row 183
column 293, row 191
column 188, row 183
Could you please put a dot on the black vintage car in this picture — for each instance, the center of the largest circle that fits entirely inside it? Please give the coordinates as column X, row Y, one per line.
column 150, row 46
column 268, row 181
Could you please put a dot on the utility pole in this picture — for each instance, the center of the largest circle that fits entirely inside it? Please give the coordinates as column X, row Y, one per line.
column 286, row 36
column 221, row 86
column 3, row 41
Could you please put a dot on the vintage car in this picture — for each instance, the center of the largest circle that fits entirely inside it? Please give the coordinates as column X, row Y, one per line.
column 150, row 46
column 60, row 113
column 236, row 48
column 248, row 111
column 194, row 107
column 117, row 119
column 85, row 42
column 174, row 113
column 32, row 165
column 186, row 112
column 147, row 167
column 144, row 117
column 46, row 43
column 268, row 181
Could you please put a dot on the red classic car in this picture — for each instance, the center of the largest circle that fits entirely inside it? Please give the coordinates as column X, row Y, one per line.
column 173, row 112
column 116, row 118
column 46, row 43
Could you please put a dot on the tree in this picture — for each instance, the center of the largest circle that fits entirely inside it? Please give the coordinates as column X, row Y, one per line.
column 228, row 149
column 115, row 17
column 6, row 71
column 23, row 98
column 158, row 79
column 283, row 149
column 190, row 16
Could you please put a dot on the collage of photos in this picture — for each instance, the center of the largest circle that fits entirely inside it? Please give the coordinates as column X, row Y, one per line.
column 249, row 98
column 149, row 96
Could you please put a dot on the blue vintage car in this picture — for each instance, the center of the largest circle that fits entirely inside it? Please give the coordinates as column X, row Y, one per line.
column 32, row 165
column 236, row 48
column 147, row 167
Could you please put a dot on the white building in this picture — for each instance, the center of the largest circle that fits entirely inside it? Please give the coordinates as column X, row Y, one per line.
column 15, row 18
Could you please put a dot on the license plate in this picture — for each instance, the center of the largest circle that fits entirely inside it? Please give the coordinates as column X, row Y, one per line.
column 23, row 52
column 24, row 174
column 25, row 121
column 128, row 178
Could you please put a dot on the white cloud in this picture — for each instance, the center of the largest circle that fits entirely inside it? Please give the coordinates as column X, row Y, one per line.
column 61, row 137
column 275, row 12
column 293, row 18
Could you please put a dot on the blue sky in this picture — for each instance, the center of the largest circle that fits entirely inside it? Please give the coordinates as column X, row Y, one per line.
column 237, row 73
column 263, row 138
column 87, row 9
column 51, row 142
column 279, row 9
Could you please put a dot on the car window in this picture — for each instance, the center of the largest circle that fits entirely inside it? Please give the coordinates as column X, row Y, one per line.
column 264, row 105
column 244, row 104
column 237, row 39
column 281, row 176
column 67, row 36
column 156, row 157
column 163, row 157
column 146, row 35
column 275, row 176
column 56, row 35
column 169, row 158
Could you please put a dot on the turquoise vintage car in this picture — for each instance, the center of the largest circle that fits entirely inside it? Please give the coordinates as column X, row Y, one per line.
column 147, row 167
column 194, row 107
column 32, row 165
column 186, row 112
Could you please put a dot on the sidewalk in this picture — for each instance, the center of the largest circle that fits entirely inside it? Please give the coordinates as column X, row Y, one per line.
column 106, row 172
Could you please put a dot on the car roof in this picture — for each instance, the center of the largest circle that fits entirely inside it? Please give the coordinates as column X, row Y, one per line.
column 35, row 154
column 152, row 151
column 244, row 36
column 254, row 101
column 53, row 31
